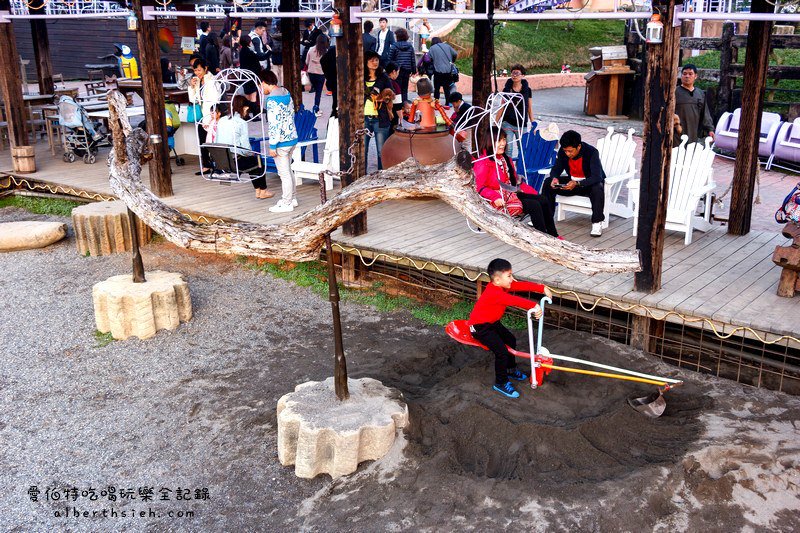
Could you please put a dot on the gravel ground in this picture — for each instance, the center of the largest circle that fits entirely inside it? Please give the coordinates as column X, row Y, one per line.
column 195, row 409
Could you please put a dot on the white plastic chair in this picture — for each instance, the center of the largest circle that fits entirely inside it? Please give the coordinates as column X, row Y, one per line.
column 330, row 158
column 616, row 156
column 691, row 177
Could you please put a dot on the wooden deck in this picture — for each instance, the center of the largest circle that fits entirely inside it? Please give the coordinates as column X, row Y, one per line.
column 728, row 280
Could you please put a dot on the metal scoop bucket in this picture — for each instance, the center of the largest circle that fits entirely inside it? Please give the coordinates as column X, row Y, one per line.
column 652, row 405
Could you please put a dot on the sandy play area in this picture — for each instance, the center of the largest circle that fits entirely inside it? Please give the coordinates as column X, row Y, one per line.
column 195, row 409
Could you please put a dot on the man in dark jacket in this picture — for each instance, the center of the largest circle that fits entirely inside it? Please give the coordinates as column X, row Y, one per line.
column 204, row 27
column 370, row 42
column 584, row 177
column 460, row 107
column 690, row 106
column 309, row 39
column 385, row 40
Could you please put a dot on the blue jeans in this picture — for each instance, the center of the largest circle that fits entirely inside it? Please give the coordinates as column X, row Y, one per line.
column 381, row 134
column 511, row 132
column 317, row 82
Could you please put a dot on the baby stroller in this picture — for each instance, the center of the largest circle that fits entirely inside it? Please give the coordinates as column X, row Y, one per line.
column 81, row 137
column 173, row 123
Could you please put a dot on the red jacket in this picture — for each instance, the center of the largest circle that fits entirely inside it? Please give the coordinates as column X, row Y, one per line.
column 486, row 179
column 492, row 304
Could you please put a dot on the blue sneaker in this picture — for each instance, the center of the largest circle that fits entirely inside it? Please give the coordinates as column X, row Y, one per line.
column 507, row 390
column 516, row 374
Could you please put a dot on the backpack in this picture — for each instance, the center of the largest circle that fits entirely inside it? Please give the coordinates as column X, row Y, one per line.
column 790, row 210
column 425, row 64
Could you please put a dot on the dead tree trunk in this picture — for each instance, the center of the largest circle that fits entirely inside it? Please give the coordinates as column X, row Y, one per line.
column 302, row 238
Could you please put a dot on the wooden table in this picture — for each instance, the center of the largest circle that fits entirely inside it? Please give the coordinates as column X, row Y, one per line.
column 171, row 91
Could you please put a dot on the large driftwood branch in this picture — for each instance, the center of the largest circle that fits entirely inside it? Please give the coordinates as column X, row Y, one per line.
column 302, row 238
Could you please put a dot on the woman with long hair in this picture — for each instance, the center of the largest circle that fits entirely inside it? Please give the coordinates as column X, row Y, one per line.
column 498, row 167
column 375, row 81
column 250, row 60
column 226, row 53
column 315, row 72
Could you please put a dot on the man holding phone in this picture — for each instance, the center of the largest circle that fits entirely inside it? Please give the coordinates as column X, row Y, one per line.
column 584, row 177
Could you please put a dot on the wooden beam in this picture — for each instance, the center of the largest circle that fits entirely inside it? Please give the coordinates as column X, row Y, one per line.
column 11, row 84
column 41, row 51
column 790, row 42
column 350, row 84
column 290, row 30
column 755, row 78
column 726, row 81
column 659, row 107
column 153, row 96
column 482, row 55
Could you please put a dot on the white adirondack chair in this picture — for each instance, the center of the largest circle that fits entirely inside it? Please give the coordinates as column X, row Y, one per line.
column 330, row 158
column 616, row 156
column 691, row 177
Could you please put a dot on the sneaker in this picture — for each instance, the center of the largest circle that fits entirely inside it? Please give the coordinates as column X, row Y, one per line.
column 516, row 374
column 294, row 203
column 318, row 113
column 560, row 238
column 507, row 390
column 597, row 229
column 281, row 207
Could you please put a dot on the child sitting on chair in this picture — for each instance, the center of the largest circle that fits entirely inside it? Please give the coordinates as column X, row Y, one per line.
column 484, row 321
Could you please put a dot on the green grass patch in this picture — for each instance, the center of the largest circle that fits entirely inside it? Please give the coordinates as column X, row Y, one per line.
column 41, row 206
column 710, row 59
column 544, row 47
column 314, row 275
column 102, row 339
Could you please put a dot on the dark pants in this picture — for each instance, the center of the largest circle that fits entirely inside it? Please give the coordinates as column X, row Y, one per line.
column 537, row 207
column 444, row 81
column 317, row 82
column 402, row 80
column 496, row 337
column 205, row 157
column 335, row 96
column 596, row 194
column 250, row 161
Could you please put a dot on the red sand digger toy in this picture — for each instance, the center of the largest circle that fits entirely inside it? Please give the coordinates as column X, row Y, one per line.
column 652, row 405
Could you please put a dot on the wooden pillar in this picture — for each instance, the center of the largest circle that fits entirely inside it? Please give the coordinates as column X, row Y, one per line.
column 153, row 92
column 755, row 78
column 659, row 106
column 726, row 81
column 483, row 55
column 290, row 30
column 350, row 85
column 11, row 83
column 645, row 332
column 41, row 51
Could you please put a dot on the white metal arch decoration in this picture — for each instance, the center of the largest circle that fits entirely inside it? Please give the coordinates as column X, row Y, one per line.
column 228, row 84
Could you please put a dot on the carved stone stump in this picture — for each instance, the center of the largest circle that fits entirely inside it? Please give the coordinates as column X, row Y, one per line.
column 318, row 434
column 129, row 309
column 103, row 228
column 788, row 258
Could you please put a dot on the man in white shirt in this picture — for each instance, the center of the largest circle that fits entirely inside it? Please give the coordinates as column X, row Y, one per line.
column 385, row 40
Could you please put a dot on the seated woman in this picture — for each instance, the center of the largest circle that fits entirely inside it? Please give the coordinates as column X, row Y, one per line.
column 490, row 171
column 232, row 130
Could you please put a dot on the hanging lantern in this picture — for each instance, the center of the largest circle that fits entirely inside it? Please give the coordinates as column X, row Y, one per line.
column 655, row 30
column 132, row 22
column 336, row 26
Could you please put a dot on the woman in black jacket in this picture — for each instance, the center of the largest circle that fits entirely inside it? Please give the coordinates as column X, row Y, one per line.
column 212, row 52
column 402, row 53
column 250, row 60
column 375, row 81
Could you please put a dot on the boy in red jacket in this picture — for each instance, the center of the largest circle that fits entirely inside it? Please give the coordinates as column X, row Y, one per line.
column 484, row 321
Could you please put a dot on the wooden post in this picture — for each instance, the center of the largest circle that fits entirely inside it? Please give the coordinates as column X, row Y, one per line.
column 153, row 92
column 726, row 81
column 290, row 30
column 350, row 83
column 11, row 83
column 41, row 51
column 645, row 332
column 659, row 106
column 482, row 55
column 755, row 78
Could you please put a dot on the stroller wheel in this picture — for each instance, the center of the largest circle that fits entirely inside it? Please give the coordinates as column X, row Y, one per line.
column 86, row 158
column 66, row 157
column 71, row 157
column 180, row 161
column 92, row 158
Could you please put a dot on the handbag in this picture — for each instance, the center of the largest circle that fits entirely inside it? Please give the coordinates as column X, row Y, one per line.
column 194, row 113
column 454, row 72
column 304, row 79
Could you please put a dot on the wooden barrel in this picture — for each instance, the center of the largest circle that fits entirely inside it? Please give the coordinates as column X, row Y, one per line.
column 23, row 158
